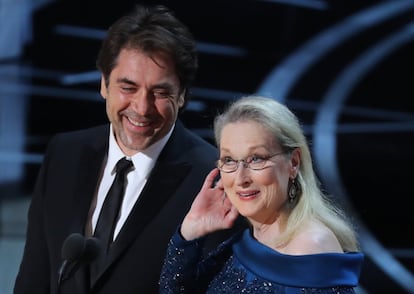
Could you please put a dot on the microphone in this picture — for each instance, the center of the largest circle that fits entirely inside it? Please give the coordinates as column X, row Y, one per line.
column 77, row 250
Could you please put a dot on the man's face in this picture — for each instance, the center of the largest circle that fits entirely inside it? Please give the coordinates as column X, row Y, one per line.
column 142, row 99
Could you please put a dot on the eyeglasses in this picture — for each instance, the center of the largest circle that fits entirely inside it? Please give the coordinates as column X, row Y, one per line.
column 255, row 162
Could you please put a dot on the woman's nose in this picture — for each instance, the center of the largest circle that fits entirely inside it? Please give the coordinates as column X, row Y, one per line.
column 243, row 173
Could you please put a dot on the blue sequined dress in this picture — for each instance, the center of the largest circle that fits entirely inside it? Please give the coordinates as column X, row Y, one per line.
column 243, row 265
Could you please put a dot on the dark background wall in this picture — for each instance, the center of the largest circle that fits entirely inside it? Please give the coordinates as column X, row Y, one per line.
column 344, row 67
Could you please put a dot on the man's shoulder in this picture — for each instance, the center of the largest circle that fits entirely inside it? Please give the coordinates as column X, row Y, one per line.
column 94, row 137
column 191, row 140
column 185, row 134
column 186, row 144
column 90, row 132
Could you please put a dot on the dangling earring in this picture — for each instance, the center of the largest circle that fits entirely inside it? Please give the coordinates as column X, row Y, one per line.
column 294, row 190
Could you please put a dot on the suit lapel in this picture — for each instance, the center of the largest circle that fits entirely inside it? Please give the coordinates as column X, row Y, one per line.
column 162, row 183
column 157, row 191
column 88, row 176
column 92, row 157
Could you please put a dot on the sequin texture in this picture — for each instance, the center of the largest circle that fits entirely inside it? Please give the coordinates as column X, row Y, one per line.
column 242, row 265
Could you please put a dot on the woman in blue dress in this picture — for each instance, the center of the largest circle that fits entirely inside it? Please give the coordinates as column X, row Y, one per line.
column 298, row 241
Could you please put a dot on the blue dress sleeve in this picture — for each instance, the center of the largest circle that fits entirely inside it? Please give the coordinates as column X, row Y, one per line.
column 186, row 269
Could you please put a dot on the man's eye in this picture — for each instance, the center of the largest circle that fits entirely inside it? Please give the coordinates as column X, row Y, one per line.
column 162, row 94
column 127, row 89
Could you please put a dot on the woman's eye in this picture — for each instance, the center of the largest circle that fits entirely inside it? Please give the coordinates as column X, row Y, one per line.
column 228, row 160
column 256, row 158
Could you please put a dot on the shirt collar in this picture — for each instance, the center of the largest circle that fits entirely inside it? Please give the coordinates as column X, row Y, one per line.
column 145, row 159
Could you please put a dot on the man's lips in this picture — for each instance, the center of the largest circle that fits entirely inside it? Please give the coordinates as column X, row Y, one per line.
column 138, row 123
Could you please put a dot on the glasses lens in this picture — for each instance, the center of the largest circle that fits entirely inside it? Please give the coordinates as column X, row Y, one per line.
column 227, row 166
column 256, row 165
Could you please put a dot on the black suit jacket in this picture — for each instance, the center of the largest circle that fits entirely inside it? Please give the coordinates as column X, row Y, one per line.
column 62, row 198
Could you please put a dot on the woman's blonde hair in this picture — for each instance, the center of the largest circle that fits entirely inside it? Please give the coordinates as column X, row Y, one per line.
column 312, row 203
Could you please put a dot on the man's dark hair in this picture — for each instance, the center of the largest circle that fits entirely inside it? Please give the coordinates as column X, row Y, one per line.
column 151, row 29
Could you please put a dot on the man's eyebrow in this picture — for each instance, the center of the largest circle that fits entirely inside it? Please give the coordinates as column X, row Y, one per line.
column 126, row 81
column 166, row 86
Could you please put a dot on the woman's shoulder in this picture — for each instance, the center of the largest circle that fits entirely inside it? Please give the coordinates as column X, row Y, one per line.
column 313, row 238
column 302, row 267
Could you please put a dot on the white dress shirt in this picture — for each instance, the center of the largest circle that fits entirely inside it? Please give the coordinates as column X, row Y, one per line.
column 143, row 162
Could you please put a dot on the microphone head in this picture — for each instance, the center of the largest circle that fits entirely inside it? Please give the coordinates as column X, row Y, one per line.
column 80, row 249
column 73, row 247
column 93, row 248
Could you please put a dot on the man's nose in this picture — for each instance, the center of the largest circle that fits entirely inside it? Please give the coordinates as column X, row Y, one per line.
column 142, row 102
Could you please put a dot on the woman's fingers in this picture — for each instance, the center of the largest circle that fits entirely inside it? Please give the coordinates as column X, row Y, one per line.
column 209, row 181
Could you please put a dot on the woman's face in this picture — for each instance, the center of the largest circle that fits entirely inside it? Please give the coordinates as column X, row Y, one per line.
column 259, row 195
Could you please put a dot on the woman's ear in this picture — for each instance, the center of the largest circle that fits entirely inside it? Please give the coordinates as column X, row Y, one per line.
column 295, row 161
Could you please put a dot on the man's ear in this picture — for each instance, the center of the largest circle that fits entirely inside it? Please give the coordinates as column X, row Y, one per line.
column 104, row 89
column 181, row 98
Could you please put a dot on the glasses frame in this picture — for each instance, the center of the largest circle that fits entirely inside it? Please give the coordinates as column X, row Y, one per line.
column 246, row 164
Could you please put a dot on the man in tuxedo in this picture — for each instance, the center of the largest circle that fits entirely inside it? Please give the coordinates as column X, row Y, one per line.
column 147, row 62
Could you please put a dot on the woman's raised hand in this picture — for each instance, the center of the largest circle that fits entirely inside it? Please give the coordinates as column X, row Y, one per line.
column 211, row 210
